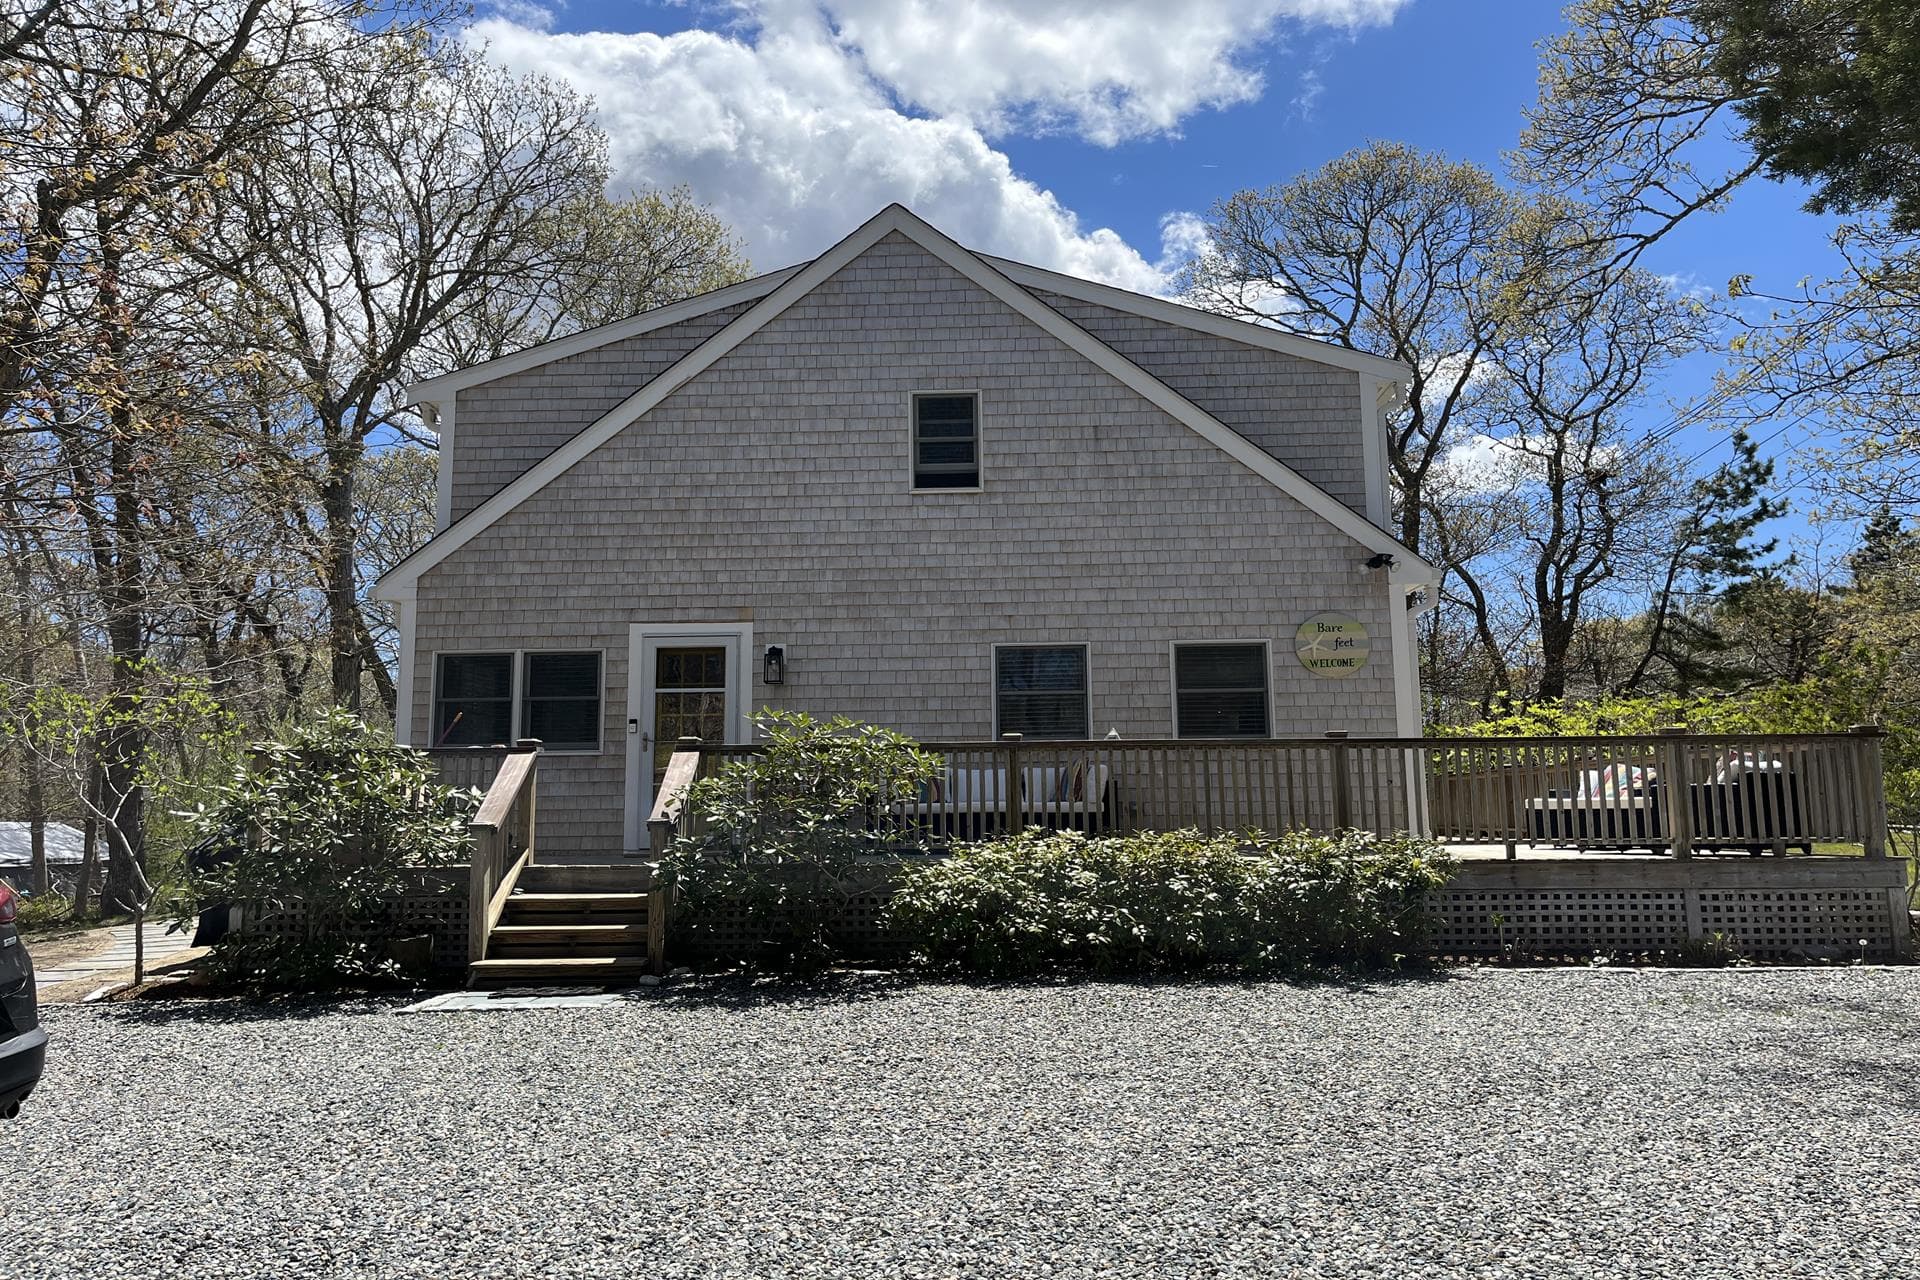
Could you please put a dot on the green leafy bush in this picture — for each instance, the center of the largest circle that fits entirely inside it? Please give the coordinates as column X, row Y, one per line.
column 322, row 828
column 47, row 913
column 779, row 842
column 1806, row 707
column 1048, row 901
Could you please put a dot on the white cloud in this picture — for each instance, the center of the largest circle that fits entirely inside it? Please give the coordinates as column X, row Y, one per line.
column 792, row 124
column 1111, row 71
column 1478, row 464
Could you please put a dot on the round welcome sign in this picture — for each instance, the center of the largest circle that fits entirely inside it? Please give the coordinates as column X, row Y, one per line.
column 1331, row 645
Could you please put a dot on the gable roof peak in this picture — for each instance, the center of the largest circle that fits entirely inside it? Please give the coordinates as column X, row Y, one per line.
column 399, row 580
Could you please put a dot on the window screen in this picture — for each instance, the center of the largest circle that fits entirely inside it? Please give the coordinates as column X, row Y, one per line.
column 1041, row 690
column 473, row 705
column 946, row 442
column 561, row 700
column 1220, row 690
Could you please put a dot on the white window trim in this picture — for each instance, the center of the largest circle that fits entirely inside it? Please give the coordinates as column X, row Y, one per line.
column 516, row 717
column 993, row 677
column 979, row 438
column 1173, row 680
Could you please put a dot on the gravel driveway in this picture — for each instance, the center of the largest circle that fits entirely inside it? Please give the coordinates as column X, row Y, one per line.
column 1558, row 1123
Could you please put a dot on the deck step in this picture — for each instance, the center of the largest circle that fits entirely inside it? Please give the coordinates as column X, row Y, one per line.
column 527, row 941
column 541, row 877
column 585, row 908
column 599, row 970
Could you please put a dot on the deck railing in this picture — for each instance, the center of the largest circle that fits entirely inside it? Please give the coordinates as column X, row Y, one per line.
column 465, row 767
column 1673, row 792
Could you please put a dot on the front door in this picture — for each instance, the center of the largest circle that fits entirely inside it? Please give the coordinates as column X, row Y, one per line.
column 684, row 682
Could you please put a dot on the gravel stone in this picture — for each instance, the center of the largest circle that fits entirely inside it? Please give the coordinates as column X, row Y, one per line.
column 1563, row 1123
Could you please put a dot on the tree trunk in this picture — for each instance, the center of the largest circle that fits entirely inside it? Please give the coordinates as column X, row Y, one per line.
column 89, row 838
column 26, row 616
column 383, row 684
column 1556, row 643
column 124, row 799
column 41, row 876
column 124, row 596
column 342, row 593
column 1410, row 509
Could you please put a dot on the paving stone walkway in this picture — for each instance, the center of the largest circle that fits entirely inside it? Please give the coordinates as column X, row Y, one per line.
column 110, row 960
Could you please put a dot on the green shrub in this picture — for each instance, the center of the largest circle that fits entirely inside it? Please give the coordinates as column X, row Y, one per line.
column 47, row 913
column 781, row 841
column 323, row 826
column 1045, row 901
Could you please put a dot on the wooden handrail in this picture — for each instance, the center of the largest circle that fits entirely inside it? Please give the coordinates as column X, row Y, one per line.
column 670, row 800
column 505, row 791
column 503, row 834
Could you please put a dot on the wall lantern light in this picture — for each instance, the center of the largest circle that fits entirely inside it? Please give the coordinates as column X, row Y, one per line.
column 774, row 665
column 1382, row 561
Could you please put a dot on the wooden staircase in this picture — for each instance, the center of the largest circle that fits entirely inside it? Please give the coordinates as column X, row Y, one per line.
column 568, row 926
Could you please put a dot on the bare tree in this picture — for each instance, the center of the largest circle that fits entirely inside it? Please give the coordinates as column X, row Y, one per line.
column 1387, row 250
column 1630, row 99
column 1642, row 102
column 138, row 105
column 1595, row 501
column 424, row 207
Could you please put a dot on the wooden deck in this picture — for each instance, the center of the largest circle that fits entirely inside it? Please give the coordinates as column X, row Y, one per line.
column 1623, row 841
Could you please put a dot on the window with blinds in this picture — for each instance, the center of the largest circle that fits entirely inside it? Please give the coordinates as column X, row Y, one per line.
column 560, row 700
column 473, row 700
column 946, row 442
column 1220, row 690
column 1040, row 691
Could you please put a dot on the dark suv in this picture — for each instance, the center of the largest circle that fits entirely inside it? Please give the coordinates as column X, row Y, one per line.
column 23, row 1045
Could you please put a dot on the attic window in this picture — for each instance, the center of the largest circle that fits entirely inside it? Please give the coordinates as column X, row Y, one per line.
column 946, row 441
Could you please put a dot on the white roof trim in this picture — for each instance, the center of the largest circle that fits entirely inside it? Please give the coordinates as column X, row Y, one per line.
column 435, row 389
column 1241, row 331
column 810, row 276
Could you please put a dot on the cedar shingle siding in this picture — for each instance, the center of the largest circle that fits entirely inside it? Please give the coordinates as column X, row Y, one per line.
column 1305, row 414
column 774, row 487
column 503, row 427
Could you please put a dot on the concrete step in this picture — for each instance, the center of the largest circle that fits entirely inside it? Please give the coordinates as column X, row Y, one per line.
column 511, row 942
column 585, row 970
column 629, row 877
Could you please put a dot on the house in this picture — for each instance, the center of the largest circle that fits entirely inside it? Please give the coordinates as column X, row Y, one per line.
column 914, row 484
column 65, row 849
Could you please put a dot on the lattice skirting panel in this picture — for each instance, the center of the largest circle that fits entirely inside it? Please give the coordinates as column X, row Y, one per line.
column 1557, row 921
column 436, row 906
column 1766, row 909
column 724, row 937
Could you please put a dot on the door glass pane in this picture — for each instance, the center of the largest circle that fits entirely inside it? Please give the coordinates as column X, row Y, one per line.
column 689, row 700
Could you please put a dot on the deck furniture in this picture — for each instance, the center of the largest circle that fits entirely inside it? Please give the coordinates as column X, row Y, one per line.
column 972, row 803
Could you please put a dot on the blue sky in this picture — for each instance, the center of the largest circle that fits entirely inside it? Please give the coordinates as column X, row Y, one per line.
column 1073, row 134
